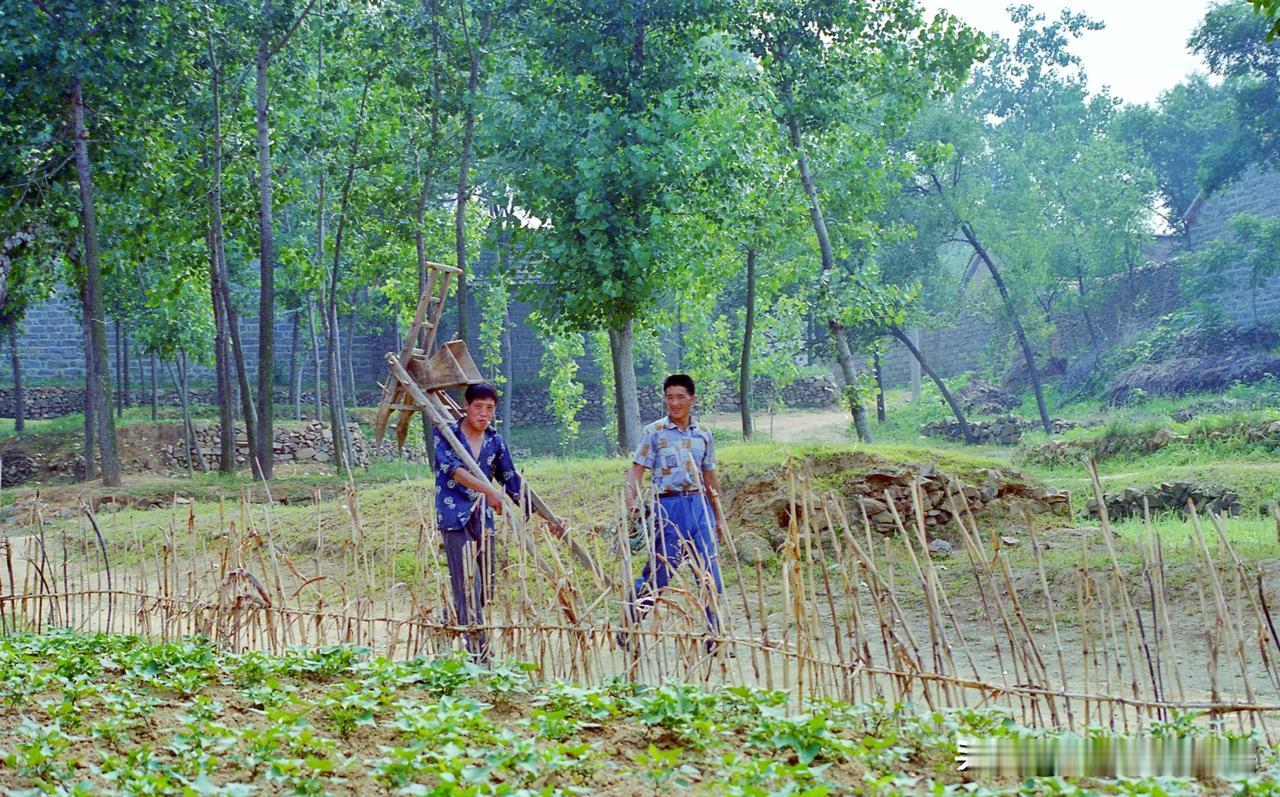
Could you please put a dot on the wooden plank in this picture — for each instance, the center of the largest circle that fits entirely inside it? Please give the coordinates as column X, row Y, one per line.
column 437, row 307
column 443, row 267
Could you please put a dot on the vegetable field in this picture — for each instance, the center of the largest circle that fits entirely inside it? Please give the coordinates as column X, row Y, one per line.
column 103, row 714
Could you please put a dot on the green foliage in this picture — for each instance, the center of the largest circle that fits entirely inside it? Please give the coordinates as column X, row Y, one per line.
column 1236, row 49
column 493, row 297
column 1175, row 135
column 579, row 96
column 707, row 347
column 1270, row 10
column 435, row 740
column 567, row 396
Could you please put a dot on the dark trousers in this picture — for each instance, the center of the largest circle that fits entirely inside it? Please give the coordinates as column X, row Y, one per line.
column 470, row 556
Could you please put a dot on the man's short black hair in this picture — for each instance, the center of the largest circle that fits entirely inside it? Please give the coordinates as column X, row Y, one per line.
column 480, row 391
column 679, row 380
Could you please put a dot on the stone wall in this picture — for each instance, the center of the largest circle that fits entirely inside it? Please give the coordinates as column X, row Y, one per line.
column 53, row 402
column 301, row 443
column 949, row 351
column 1257, row 192
column 1134, row 299
column 50, row 349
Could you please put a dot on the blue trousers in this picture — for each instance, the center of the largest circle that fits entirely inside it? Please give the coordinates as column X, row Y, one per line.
column 685, row 528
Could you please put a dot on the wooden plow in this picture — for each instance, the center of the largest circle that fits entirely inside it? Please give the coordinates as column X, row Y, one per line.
column 419, row 381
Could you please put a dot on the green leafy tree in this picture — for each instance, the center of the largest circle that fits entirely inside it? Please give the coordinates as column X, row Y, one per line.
column 846, row 76
column 1270, row 10
column 607, row 113
column 1176, row 134
column 1026, row 172
column 110, row 54
column 1237, row 51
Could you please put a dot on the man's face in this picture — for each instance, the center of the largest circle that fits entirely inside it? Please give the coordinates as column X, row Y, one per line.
column 679, row 402
column 480, row 413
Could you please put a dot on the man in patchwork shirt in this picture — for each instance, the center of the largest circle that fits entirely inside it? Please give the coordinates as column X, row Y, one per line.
column 681, row 455
column 465, row 505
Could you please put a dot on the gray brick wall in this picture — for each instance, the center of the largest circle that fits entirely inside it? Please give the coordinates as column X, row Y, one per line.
column 51, row 349
column 1132, row 302
column 1258, row 192
column 949, row 351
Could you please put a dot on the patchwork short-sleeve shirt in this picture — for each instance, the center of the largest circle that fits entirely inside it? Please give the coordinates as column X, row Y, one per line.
column 454, row 501
column 677, row 457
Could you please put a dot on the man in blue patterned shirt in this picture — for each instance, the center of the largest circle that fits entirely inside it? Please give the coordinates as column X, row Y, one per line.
column 681, row 455
column 465, row 505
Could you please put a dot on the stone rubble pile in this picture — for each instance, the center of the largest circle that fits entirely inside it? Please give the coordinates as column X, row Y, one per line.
column 984, row 398
column 1165, row 497
column 304, row 443
column 1003, row 430
column 1058, row 452
column 873, row 492
column 16, row 467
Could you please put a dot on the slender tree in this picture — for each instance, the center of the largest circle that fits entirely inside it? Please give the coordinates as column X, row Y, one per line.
column 849, row 72
column 275, row 28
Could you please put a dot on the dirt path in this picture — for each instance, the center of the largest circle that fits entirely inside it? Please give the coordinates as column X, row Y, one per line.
column 792, row 426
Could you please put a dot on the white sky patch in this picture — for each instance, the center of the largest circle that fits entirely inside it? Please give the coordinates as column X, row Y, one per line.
column 1141, row 52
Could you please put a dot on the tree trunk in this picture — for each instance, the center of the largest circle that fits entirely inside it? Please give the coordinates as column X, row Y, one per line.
column 464, row 189
column 843, row 356
column 880, row 415
column 178, row 373
column 508, row 380
column 19, row 399
column 914, row 334
column 119, row 380
column 350, row 365
column 905, row 339
column 315, row 350
column 247, row 413
column 185, row 371
column 222, row 366
column 95, row 320
column 124, row 366
column 262, row 456
column 155, row 391
column 142, row 376
column 337, row 414
column 228, row 351
column 1018, row 331
column 744, row 366
column 626, row 400
column 333, row 380
column 90, row 394
column 295, row 365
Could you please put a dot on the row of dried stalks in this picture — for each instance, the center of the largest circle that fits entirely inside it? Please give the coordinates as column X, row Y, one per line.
column 848, row 614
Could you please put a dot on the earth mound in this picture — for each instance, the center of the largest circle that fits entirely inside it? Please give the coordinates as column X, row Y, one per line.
column 871, row 488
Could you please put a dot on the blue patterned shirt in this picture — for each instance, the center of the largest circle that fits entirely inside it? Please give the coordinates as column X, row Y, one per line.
column 677, row 458
column 454, row 501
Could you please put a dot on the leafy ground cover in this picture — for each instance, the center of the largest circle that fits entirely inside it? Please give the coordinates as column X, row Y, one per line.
column 98, row 714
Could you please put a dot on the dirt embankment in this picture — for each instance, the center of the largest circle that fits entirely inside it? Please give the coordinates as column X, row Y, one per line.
column 864, row 486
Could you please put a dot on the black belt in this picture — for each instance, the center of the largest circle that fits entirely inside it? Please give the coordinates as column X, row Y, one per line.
column 679, row 493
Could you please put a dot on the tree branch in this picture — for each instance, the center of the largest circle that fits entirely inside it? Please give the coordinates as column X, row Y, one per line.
column 271, row 53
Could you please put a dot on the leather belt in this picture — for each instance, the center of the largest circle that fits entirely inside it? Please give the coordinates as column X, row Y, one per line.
column 679, row 493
